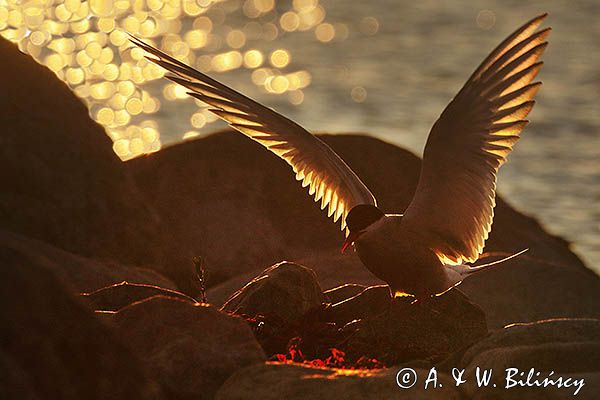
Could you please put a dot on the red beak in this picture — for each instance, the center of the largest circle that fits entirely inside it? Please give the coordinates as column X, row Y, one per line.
column 351, row 239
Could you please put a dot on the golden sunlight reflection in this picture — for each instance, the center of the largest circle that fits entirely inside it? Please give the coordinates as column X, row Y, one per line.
column 486, row 19
column 85, row 43
column 358, row 94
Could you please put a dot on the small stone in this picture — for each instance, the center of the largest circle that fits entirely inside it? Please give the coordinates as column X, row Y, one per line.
column 286, row 291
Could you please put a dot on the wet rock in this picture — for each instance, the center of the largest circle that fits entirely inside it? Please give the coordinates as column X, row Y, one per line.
column 192, row 348
column 343, row 292
column 425, row 330
column 569, row 347
column 370, row 302
column 291, row 382
column 115, row 297
column 80, row 273
column 286, row 291
column 53, row 347
column 61, row 181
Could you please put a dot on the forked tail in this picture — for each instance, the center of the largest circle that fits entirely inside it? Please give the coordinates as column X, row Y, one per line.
column 456, row 273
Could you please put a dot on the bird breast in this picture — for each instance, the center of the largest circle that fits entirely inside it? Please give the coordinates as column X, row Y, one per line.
column 395, row 255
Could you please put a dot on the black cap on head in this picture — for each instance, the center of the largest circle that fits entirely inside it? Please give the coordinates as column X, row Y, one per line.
column 361, row 216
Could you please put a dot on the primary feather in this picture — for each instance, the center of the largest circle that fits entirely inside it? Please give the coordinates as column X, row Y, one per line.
column 453, row 206
column 315, row 164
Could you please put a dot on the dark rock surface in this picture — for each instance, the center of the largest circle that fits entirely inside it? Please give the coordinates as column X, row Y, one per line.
column 239, row 207
column 79, row 273
column 289, row 316
column 430, row 330
column 285, row 291
column 117, row 296
column 192, row 348
column 531, row 337
column 529, row 290
column 284, row 381
column 57, row 168
column 371, row 301
column 521, row 290
column 569, row 347
column 343, row 292
column 53, row 347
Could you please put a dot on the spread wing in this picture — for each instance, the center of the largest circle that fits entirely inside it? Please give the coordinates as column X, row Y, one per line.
column 453, row 206
column 328, row 177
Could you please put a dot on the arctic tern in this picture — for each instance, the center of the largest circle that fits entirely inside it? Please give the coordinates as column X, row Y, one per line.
column 424, row 251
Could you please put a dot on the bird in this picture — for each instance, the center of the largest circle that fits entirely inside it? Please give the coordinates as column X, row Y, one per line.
column 430, row 247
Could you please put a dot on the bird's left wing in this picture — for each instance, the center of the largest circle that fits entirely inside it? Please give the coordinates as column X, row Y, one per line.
column 329, row 178
column 452, row 209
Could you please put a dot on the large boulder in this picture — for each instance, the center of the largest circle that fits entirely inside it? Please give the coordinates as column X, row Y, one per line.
column 79, row 273
column 273, row 381
column 53, row 347
column 239, row 206
column 527, row 290
column 552, row 348
column 424, row 330
column 192, row 348
column 61, row 181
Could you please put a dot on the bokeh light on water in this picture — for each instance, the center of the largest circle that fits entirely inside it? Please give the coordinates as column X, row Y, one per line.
column 86, row 45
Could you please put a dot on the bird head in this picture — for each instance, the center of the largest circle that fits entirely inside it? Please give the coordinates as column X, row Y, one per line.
column 358, row 221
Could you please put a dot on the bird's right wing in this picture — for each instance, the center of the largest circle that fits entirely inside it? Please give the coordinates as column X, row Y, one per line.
column 328, row 177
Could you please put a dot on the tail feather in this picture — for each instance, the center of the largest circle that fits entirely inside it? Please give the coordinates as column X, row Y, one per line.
column 456, row 273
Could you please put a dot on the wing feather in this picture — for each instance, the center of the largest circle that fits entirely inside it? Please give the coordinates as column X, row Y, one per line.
column 453, row 206
column 328, row 178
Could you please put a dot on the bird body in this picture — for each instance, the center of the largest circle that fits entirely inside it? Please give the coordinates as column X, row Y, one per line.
column 425, row 251
column 395, row 254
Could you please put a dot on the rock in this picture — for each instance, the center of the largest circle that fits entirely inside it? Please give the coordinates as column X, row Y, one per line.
column 526, row 337
column 53, row 347
column 343, row 292
column 430, row 330
column 523, row 289
column 115, row 297
column 569, row 347
column 286, row 291
column 79, row 273
column 285, row 381
column 61, row 181
column 528, row 290
column 370, row 302
column 192, row 348
column 240, row 208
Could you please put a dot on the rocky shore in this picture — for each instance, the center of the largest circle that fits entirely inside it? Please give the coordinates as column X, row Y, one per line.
column 101, row 297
